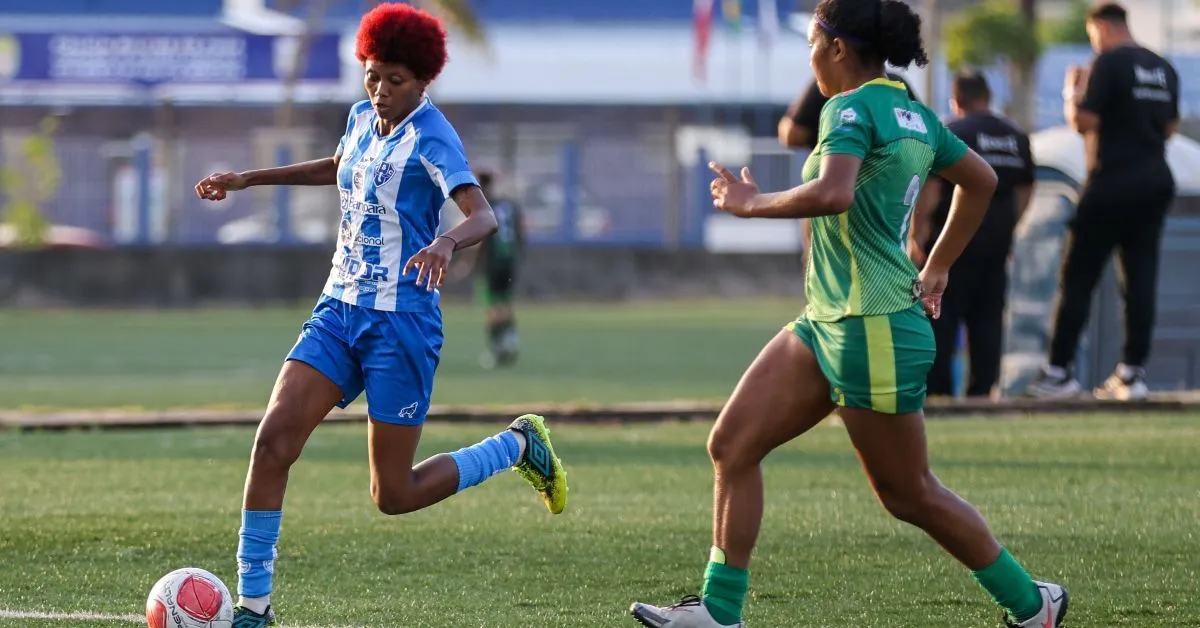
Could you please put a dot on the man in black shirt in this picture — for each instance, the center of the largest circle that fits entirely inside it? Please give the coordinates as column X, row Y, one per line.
column 978, row 285
column 1126, row 107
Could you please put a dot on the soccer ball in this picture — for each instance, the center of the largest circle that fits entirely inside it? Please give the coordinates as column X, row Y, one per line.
column 189, row 598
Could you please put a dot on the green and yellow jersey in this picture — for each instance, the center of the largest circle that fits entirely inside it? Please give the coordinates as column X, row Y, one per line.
column 858, row 264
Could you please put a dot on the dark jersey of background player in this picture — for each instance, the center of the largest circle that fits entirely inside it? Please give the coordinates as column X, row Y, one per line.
column 1006, row 149
column 978, row 286
column 504, row 246
column 1126, row 107
column 501, row 254
column 798, row 127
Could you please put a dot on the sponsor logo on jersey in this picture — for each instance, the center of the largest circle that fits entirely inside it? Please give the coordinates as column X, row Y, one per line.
column 848, row 116
column 1150, row 76
column 367, row 240
column 348, row 204
column 356, row 268
column 997, row 143
column 910, row 120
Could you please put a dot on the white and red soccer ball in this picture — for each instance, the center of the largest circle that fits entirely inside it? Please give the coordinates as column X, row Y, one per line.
column 189, row 598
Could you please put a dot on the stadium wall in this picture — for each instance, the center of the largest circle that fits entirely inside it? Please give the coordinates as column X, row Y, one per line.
column 258, row 276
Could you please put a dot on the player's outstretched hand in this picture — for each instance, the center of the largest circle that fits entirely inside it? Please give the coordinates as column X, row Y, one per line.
column 730, row 194
column 933, row 283
column 431, row 263
column 216, row 186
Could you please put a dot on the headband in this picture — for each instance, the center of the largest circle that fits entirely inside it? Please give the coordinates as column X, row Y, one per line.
column 877, row 31
column 836, row 33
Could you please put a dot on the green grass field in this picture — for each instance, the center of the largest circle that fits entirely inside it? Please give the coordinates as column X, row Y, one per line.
column 1107, row 505
column 229, row 358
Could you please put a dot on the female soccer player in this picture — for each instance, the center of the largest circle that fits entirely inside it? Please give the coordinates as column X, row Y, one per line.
column 864, row 343
column 378, row 326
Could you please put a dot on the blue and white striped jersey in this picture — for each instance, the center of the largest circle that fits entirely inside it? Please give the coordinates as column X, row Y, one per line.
column 392, row 190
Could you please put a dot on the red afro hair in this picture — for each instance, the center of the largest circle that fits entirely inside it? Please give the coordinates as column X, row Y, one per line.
column 399, row 33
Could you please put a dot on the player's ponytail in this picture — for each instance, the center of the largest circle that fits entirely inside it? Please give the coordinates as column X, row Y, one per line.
column 899, row 39
column 879, row 30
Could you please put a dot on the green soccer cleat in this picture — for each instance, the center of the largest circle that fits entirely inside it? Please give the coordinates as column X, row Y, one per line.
column 246, row 618
column 540, row 466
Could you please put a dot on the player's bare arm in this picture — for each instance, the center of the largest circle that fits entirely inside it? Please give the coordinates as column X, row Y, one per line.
column 432, row 261
column 1074, row 89
column 829, row 194
column 792, row 135
column 976, row 183
column 922, row 220
column 216, row 186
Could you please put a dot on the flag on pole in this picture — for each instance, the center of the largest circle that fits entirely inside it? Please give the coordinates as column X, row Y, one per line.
column 732, row 11
column 768, row 22
column 702, row 29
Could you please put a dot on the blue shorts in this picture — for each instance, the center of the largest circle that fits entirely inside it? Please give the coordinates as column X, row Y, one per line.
column 391, row 355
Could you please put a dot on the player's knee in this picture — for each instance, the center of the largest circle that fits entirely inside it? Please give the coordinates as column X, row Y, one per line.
column 730, row 450
column 276, row 448
column 911, row 501
column 392, row 501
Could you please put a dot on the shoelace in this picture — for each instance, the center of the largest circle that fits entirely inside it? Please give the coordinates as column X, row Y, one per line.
column 687, row 600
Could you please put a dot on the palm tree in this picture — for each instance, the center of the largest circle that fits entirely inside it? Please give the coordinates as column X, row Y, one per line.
column 994, row 30
column 1023, row 73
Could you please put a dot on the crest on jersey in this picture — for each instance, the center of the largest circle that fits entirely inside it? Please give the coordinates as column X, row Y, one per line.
column 384, row 173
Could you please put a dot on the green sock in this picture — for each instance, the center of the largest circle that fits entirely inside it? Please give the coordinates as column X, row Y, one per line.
column 1010, row 586
column 725, row 589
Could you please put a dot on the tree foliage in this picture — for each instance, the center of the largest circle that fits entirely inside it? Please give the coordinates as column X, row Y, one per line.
column 989, row 32
column 1069, row 29
column 458, row 14
column 29, row 181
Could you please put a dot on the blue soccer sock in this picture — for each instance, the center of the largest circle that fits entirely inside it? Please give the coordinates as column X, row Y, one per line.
column 486, row 458
column 256, row 551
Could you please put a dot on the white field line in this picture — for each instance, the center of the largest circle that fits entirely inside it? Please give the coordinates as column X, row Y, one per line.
column 76, row 616
column 90, row 616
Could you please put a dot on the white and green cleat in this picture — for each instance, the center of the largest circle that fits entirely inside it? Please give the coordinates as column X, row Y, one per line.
column 539, row 465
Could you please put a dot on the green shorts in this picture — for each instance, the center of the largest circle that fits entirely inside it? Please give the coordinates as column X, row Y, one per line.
column 496, row 286
column 873, row 362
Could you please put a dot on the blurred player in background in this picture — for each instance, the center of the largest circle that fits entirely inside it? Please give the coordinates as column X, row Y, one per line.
column 1126, row 107
column 864, row 344
column 978, row 288
column 378, row 326
column 501, row 254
